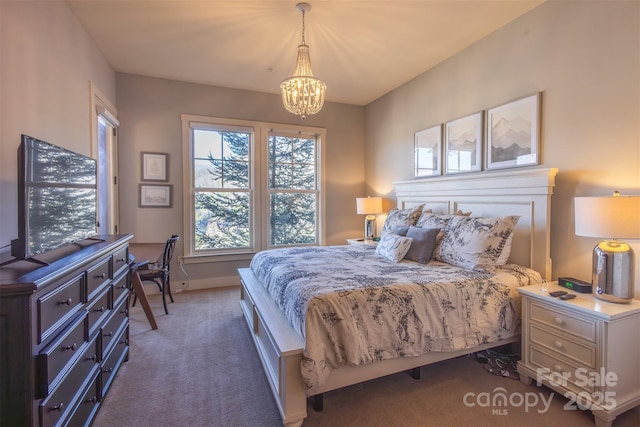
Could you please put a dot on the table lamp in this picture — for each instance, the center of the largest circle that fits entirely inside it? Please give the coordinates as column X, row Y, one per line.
column 613, row 218
column 369, row 206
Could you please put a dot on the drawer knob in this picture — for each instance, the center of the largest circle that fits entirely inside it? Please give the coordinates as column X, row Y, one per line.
column 100, row 310
column 108, row 334
column 93, row 357
column 67, row 301
column 558, row 368
column 107, row 371
column 120, row 260
column 72, row 347
column 124, row 341
column 558, row 345
column 94, row 399
column 58, row 407
column 100, row 276
column 125, row 311
column 559, row 321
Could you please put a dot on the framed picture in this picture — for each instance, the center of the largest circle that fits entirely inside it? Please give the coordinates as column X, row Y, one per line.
column 463, row 144
column 155, row 196
column 155, row 166
column 513, row 136
column 428, row 152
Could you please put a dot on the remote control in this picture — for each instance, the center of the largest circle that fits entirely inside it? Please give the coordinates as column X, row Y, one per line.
column 567, row 296
column 558, row 293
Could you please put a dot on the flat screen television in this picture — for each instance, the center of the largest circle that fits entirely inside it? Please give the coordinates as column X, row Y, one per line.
column 57, row 198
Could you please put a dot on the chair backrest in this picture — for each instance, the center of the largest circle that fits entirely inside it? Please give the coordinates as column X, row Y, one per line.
column 167, row 255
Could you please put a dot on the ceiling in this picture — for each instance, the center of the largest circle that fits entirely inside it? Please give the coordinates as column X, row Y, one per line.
column 361, row 49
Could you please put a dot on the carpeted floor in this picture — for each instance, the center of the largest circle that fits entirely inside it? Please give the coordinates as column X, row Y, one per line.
column 200, row 369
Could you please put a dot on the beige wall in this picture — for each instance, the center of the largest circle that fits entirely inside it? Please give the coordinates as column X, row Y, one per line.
column 149, row 111
column 47, row 61
column 585, row 59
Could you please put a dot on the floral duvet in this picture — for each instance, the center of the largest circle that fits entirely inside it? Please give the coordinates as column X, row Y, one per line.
column 353, row 307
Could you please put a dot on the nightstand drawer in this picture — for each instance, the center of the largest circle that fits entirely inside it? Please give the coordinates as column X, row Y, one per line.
column 559, row 370
column 582, row 353
column 581, row 327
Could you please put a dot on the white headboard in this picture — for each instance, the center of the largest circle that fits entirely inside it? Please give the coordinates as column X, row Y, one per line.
column 525, row 192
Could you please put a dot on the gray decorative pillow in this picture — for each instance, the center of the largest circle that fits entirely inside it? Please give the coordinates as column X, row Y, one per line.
column 424, row 240
column 475, row 242
column 401, row 217
column 439, row 221
column 401, row 230
column 393, row 247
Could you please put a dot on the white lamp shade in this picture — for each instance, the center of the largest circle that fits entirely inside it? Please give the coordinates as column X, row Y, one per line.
column 616, row 217
column 369, row 205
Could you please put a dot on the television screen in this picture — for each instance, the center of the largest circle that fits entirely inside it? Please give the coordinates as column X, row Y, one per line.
column 57, row 197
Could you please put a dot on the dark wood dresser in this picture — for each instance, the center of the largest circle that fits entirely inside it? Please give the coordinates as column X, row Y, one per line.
column 64, row 332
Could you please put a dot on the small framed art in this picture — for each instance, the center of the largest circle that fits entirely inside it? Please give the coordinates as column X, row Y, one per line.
column 155, row 166
column 463, row 144
column 155, row 196
column 513, row 135
column 428, row 149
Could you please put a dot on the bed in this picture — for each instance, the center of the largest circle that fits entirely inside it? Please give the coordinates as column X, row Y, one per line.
column 298, row 368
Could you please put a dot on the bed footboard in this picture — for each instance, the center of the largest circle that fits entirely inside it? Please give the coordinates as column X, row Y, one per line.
column 279, row 347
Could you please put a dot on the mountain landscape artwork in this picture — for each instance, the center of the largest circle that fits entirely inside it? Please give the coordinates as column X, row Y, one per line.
column 513, row 133
column 464, row 144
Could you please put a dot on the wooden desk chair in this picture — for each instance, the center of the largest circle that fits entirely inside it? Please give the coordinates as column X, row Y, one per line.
column 159, row 272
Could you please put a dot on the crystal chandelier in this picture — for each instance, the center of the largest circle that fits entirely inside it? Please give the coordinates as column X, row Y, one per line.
column 303, row 94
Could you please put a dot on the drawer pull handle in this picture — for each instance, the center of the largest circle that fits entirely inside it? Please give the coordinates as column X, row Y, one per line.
column 558, row 345
column 100, row 310
column 107, row 371
column 58, row 407
column 120, row 260
column 559, row 321
column 100, row 276
column 124, row 311
column 124, row 341
column 558, row 368
column 72, row 347
column 93, row 357
column 67, row 301
column 94, row 399
column 108, row 334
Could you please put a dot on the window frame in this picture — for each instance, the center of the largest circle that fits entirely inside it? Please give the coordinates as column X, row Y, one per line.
column 258, row 177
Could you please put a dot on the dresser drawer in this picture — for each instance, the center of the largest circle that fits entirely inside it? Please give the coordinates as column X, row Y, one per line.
column 580, row 352
column 56, row 358
column 560, row 370
column 57, row 306
column 97, row 277
column 55, row 407
column 120, row 288
column 110, row 329
column 99, row 309
column 88, row 404
column 113, row 361
column 580, row 327
column 120, row 261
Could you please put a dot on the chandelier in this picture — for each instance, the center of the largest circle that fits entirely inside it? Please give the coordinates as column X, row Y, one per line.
column 303, row 94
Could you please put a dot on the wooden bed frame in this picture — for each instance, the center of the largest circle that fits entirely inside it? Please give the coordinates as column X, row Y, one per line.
column 525, row 192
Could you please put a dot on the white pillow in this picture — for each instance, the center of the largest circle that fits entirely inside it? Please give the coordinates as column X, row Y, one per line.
column 393, row 247
column 401, row 217
column 506, row 251
column 476, row 242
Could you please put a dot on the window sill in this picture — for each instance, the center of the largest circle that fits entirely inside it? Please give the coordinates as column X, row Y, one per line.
column 207, row 258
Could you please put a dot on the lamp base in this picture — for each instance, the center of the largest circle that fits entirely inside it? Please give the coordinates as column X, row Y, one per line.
column 369, row 227
column 613, row 264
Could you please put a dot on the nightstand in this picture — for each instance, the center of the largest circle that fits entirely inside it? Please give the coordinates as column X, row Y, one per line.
column 362, row 242
column 586, row 349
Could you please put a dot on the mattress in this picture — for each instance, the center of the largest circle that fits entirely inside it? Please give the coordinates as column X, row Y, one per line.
column 353, row 307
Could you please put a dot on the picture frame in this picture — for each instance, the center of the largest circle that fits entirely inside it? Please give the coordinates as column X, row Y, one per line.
column 155, row 196
column 513, row 133
column 155, row 166
column 428, row 152
column 463, row 144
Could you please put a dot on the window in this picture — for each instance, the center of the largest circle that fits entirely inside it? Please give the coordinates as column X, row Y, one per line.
column 251, row 186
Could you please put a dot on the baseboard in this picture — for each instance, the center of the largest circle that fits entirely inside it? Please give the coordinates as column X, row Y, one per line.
column 195, row 285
